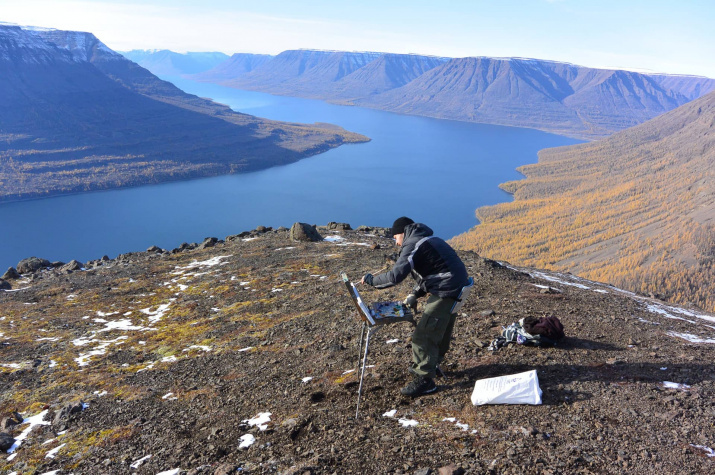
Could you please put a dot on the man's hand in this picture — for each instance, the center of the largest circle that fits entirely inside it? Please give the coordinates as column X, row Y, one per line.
column 411, row 301
column 366, row 279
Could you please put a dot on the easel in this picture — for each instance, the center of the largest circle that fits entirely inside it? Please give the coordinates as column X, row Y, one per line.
column 372, row 321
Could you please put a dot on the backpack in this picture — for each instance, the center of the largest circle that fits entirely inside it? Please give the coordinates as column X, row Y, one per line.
column 549, row 331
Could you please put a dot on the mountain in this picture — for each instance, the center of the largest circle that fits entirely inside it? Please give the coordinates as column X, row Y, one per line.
column 77, row 116
column 169, row 63
column 234, row 67
column 557, row 97
column 240, row 358
column 691, row 87
column 302, row 72
column 636, row 209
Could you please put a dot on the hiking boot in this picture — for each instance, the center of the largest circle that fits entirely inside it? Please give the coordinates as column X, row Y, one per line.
column 419, row 386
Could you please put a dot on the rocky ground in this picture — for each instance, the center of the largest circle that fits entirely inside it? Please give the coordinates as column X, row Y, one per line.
column 239, row 357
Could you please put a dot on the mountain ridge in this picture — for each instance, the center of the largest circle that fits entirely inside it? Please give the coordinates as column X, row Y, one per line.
column 77, row 116
column 636, row 209
column 553, row 96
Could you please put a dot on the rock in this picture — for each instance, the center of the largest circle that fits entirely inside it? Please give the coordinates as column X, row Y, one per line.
column 32, row 264
column 72, row 266
column 263, row 229
column 450, row 469
column 423, row 471
column 57, row 264
column 208, row 242
column 339, row 226
column 305, row 233
column 225, row 469
column 6, row 441
column 5, row 285
column 154, row 249
column 12, row 421
column 11, row 273
column 67, row 411
column 486, row 313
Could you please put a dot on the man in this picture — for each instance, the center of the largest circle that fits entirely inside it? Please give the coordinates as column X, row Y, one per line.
column 438, row 271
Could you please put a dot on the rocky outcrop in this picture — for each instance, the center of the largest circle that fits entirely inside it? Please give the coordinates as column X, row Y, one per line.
column 32, row 264
column 5, row 285
column 6, row 441
column 333, row 226
column 304, row 233
column 11, row 273
column 72, row 266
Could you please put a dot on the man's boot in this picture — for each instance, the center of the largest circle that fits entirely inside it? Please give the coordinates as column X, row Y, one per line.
column 420, row 385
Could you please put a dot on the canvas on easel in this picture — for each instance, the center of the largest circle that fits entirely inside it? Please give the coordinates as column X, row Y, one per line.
column 378, row 313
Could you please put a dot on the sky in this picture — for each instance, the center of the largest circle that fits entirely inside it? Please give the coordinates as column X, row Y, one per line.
column 674, row 36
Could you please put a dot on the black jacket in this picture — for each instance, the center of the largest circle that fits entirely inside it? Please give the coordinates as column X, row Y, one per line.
column 435, row 266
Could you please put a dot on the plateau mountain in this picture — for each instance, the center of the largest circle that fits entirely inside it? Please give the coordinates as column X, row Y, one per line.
column 77, row 116
column 556, row 97
column 169, row 63
column 636, row 209
column 234, row 67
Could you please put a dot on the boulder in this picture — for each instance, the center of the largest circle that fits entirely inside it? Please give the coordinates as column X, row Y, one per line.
column 154, row 249
column 64, row 414
column 208, row 242
column 333, row 226
column 11, row 273
column 57, row 264
column 32, row 264
column 263, row 229
column 6, row 441
column 72, row 266
column 5, row 285
column 305, row 233
column 451, row 469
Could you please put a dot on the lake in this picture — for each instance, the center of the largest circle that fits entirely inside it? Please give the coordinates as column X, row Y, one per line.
column 434, row 171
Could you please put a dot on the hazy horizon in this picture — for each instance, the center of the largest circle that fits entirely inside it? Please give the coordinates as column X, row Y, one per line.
column 655, row 36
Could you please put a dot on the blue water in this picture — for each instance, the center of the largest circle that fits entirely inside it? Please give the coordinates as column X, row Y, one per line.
column 434, row 171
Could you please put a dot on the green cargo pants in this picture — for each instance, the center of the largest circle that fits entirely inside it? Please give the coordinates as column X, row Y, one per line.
column 430, row 340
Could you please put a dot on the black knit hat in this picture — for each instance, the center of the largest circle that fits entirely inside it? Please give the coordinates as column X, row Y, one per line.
column 398, row 227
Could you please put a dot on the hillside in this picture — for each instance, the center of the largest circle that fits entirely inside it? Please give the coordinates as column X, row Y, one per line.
column 636, row 210
column 169, row 63
column 556, row 97
column 232, row 68
column 171, row 360
column 77, row 116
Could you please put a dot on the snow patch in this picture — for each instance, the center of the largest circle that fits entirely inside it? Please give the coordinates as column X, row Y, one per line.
column 174, row 471
column 390, row 413
column 261, row 420
column 672, row 385
column 408, row 422
column 137, row 463
column 389, row 342
column 247, row 440
column 36, row 420
column 708, row 451
column 214, row 261
column 51, row 454
column 306, row 379
column 691, row 338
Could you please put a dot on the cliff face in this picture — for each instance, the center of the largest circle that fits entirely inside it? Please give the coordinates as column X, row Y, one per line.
column 77, row 116
column 240, row 355
column 636, row 209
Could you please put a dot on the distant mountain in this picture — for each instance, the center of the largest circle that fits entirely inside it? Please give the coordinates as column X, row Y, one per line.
column 636, row 210
column 557, row 97
column 691, row 87
column 169, row 63
column 75, row 116
column 234, row 67
column 552, row 96
column 307, row 73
